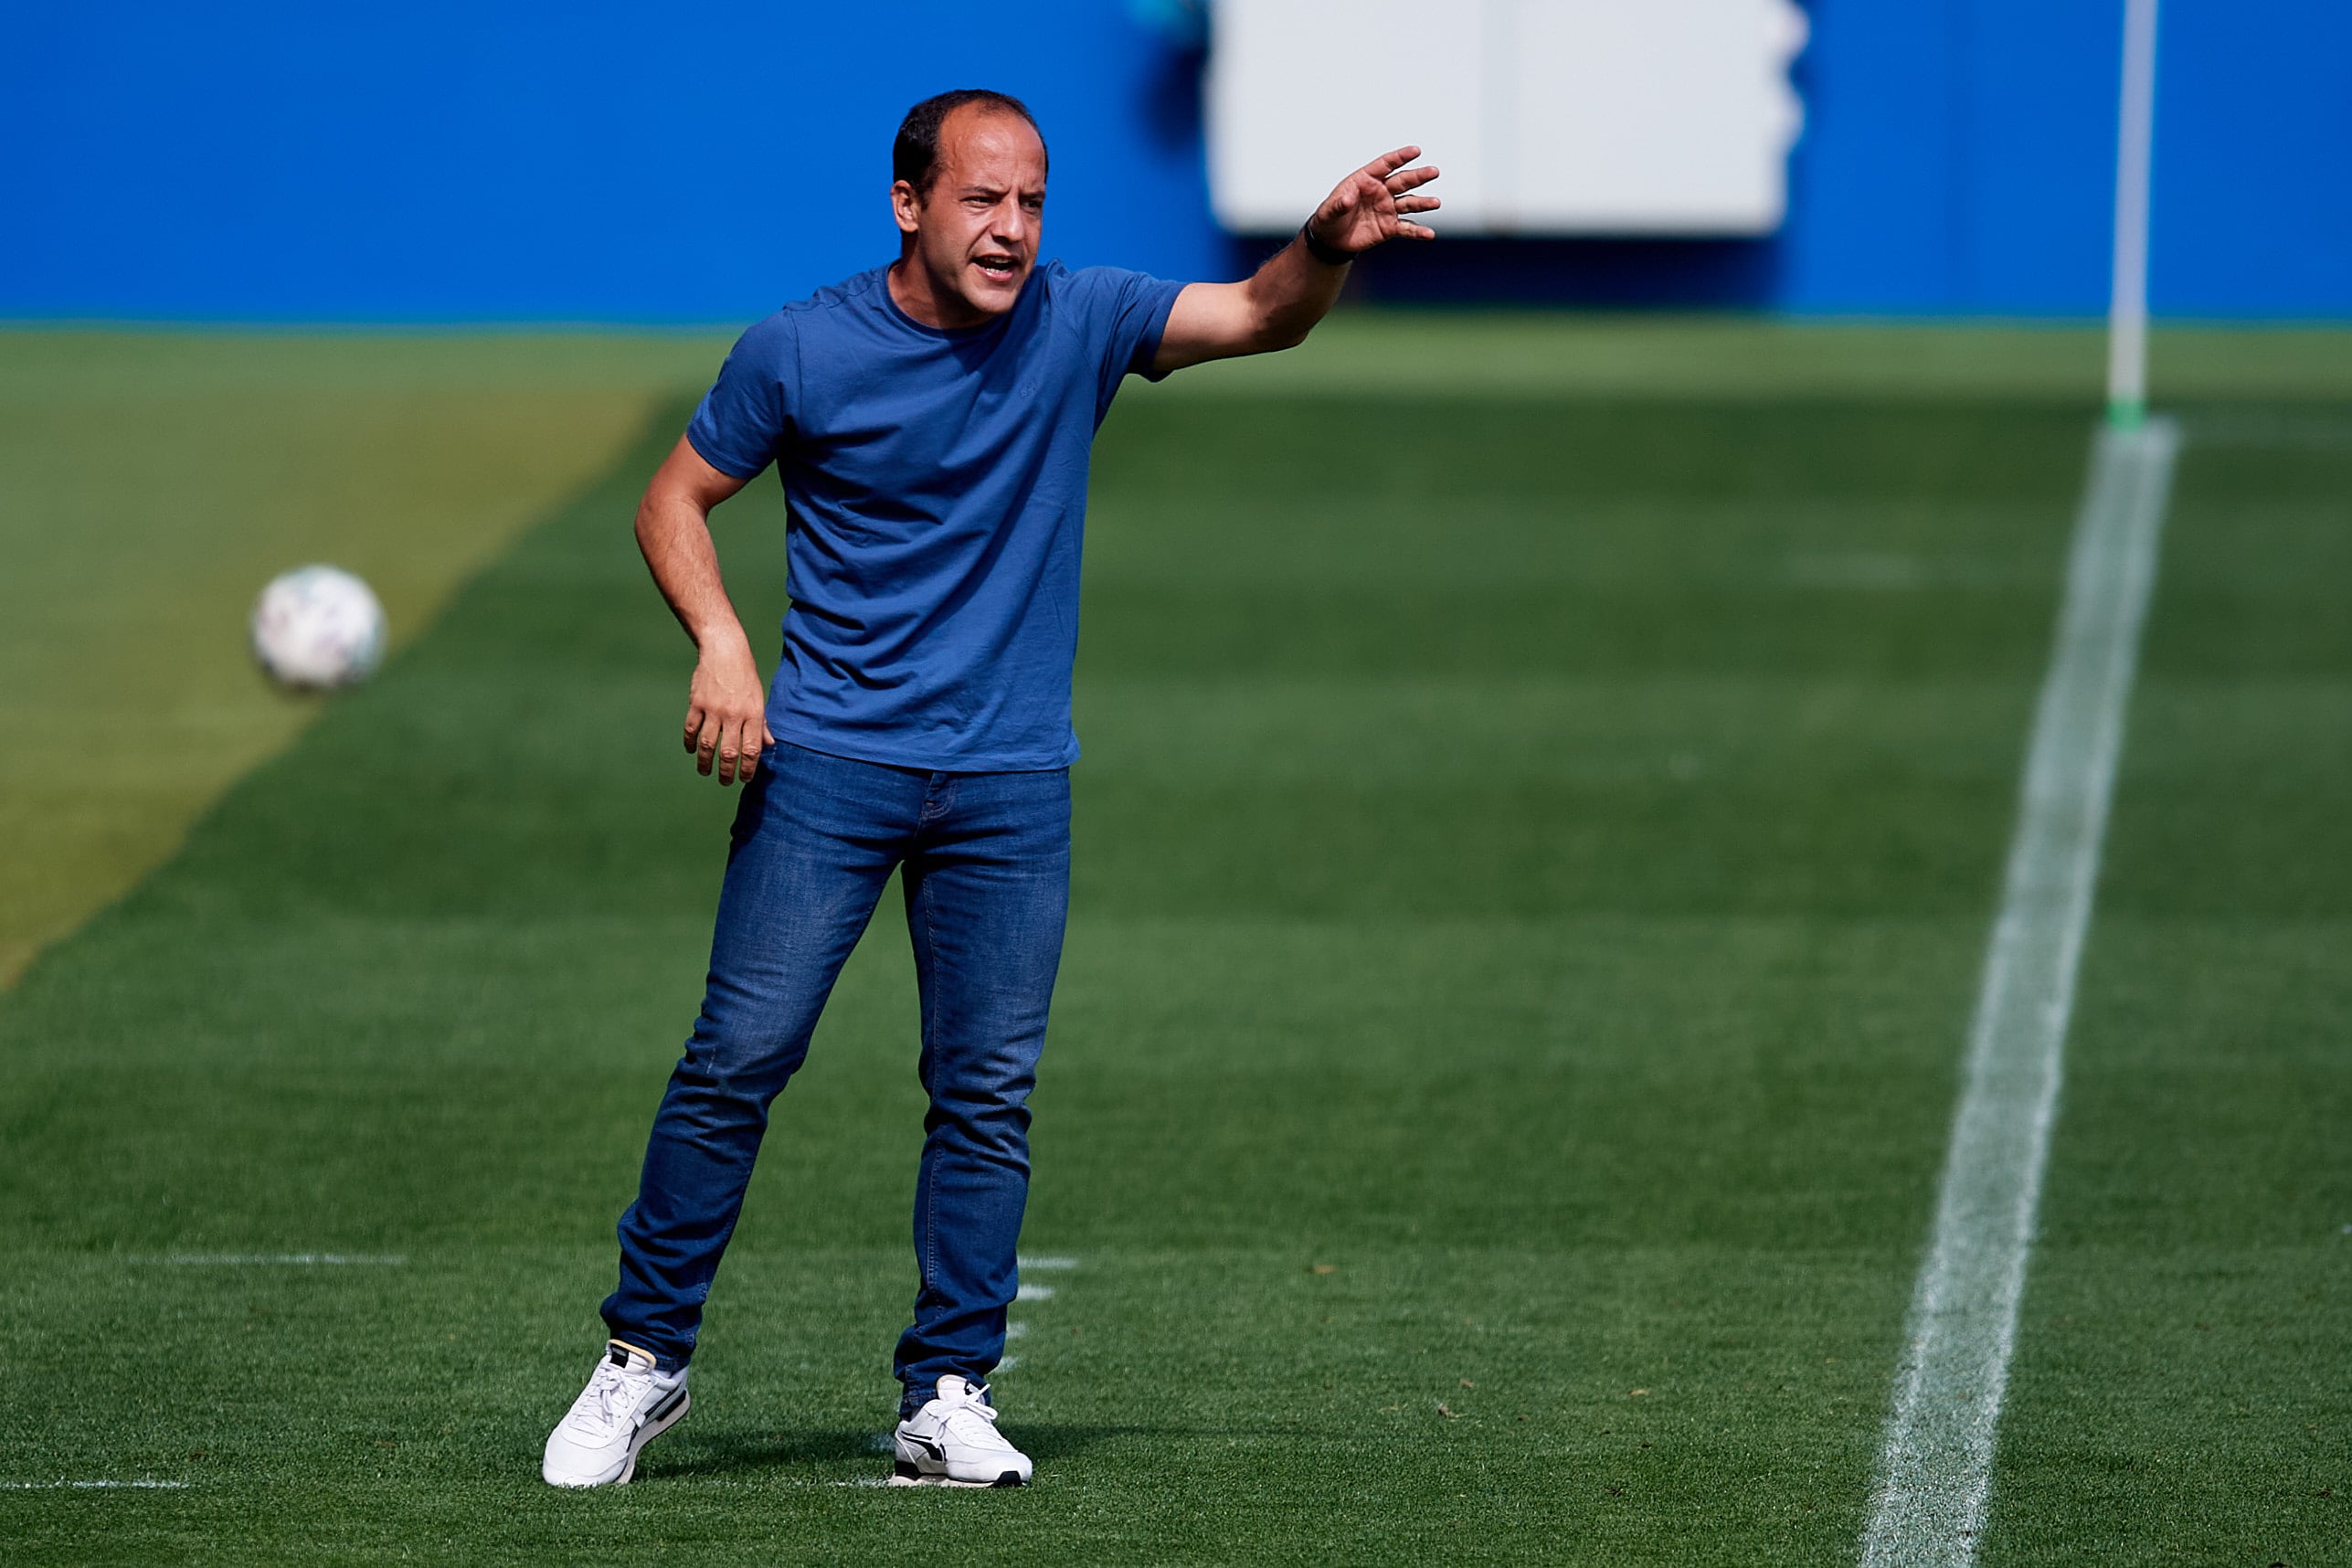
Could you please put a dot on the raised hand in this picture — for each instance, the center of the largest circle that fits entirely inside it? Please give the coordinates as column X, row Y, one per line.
column 1371, row 205
column 1281, row 303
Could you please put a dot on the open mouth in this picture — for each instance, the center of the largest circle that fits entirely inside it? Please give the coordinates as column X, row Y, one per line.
column 1004, row 269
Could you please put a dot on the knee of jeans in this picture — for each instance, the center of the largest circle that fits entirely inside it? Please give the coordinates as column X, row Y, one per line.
column 719, row 1068
column 996, row 1127
column 973, row 1091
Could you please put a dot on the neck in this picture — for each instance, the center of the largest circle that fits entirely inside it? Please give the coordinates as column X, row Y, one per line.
column 914, row 291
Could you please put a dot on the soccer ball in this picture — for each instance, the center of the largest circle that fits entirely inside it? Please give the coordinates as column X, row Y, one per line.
column 316, row 628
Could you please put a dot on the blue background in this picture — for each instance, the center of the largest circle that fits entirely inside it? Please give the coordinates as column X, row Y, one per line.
column 513, row 160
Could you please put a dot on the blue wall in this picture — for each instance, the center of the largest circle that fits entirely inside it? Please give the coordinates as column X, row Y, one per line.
column 1960, row 155
column 522, row 160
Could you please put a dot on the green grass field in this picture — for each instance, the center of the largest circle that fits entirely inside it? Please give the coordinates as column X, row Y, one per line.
column 1536, row 844
column 149, row 483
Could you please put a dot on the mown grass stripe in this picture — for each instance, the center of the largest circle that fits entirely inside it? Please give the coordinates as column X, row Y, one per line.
column 1935, row 1468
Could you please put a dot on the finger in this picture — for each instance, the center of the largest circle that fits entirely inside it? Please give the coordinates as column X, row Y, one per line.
column 754, row 744
column 707, row 745
column 1387, row 164
column 730, row 750
column 1414, row 231
column 746, row 747
column 1418, row 203
column 1411, row 179
column 694, row 724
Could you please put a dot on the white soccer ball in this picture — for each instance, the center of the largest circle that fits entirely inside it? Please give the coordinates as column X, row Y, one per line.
column 318, row 626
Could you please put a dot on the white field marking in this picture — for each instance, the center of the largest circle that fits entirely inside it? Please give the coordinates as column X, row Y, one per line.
column 1046, row 1265
column 1033, row 1293
column 2127, row 297
column 1016, row 1330
column 1005, row 1364
column 277, row 1260
column 92, row 1485
column 1934, row 1471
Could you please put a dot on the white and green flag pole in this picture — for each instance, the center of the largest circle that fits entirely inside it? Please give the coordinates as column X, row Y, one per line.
column 2127, row 306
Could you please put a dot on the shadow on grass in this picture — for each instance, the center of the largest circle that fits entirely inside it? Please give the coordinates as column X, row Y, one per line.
column 712, row 1454
column 742, row 1453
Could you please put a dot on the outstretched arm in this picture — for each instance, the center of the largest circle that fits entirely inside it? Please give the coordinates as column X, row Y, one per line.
column 727, row 705
column 1290, row 293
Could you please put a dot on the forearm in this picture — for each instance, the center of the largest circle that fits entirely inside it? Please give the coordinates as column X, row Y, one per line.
column 1298, row 285
column 726, row 723
column 1290, row 293
column 673, row 532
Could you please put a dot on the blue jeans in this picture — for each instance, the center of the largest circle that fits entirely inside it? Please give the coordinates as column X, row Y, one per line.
column 985, row 862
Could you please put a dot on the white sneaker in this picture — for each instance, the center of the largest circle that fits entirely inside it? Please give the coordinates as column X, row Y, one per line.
column 626, row 1404
column 953, row 1442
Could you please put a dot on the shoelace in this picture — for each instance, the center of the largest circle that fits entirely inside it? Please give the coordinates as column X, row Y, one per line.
column 610, row 1398
column 974, row 1405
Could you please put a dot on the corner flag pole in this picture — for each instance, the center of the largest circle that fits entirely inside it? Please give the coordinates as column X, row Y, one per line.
column 2127, row 305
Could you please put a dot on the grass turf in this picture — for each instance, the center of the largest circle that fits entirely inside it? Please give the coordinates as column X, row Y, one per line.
column 2183, row 1392
column 1533, row 860
column 151, row 482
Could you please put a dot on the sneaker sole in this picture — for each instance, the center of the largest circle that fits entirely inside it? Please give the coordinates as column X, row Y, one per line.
column 903, row 1474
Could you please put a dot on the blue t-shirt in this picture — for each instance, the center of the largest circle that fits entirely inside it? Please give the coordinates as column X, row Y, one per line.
column 937, row 483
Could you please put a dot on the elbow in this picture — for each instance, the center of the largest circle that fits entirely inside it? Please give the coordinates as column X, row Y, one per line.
column 653, row 521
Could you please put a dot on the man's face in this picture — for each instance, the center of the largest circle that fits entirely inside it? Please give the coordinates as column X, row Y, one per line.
column 975, row 231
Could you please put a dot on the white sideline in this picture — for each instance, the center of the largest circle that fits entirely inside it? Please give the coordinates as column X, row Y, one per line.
column 93, row 1485
column 1935, row 1472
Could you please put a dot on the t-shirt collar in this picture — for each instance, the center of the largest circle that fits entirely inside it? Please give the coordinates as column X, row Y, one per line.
column 951, row 334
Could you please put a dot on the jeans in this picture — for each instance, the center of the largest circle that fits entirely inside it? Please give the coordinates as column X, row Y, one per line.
column 985, row 863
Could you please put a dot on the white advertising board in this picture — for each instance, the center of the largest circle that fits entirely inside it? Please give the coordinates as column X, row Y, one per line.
column 1548, row 116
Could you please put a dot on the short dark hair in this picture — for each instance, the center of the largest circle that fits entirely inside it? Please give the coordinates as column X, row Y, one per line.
column 915, row 155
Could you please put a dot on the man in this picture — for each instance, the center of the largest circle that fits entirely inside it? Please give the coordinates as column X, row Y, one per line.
column 932, row 421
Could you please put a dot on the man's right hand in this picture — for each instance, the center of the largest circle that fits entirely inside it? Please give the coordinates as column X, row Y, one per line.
column 726, row 710
column 726, row 706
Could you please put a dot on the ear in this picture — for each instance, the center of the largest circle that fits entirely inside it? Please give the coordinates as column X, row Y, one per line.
column 906, row 206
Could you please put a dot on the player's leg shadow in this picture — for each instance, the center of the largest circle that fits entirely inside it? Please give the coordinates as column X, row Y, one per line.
column 826, row 1455
column 750, row 1453
column 1047, row 1440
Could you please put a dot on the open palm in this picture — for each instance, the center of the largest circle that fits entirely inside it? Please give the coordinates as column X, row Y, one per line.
column 1371, row 206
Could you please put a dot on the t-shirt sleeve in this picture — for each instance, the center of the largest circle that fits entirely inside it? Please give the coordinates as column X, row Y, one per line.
column 744, row 418
column 1130, row 313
